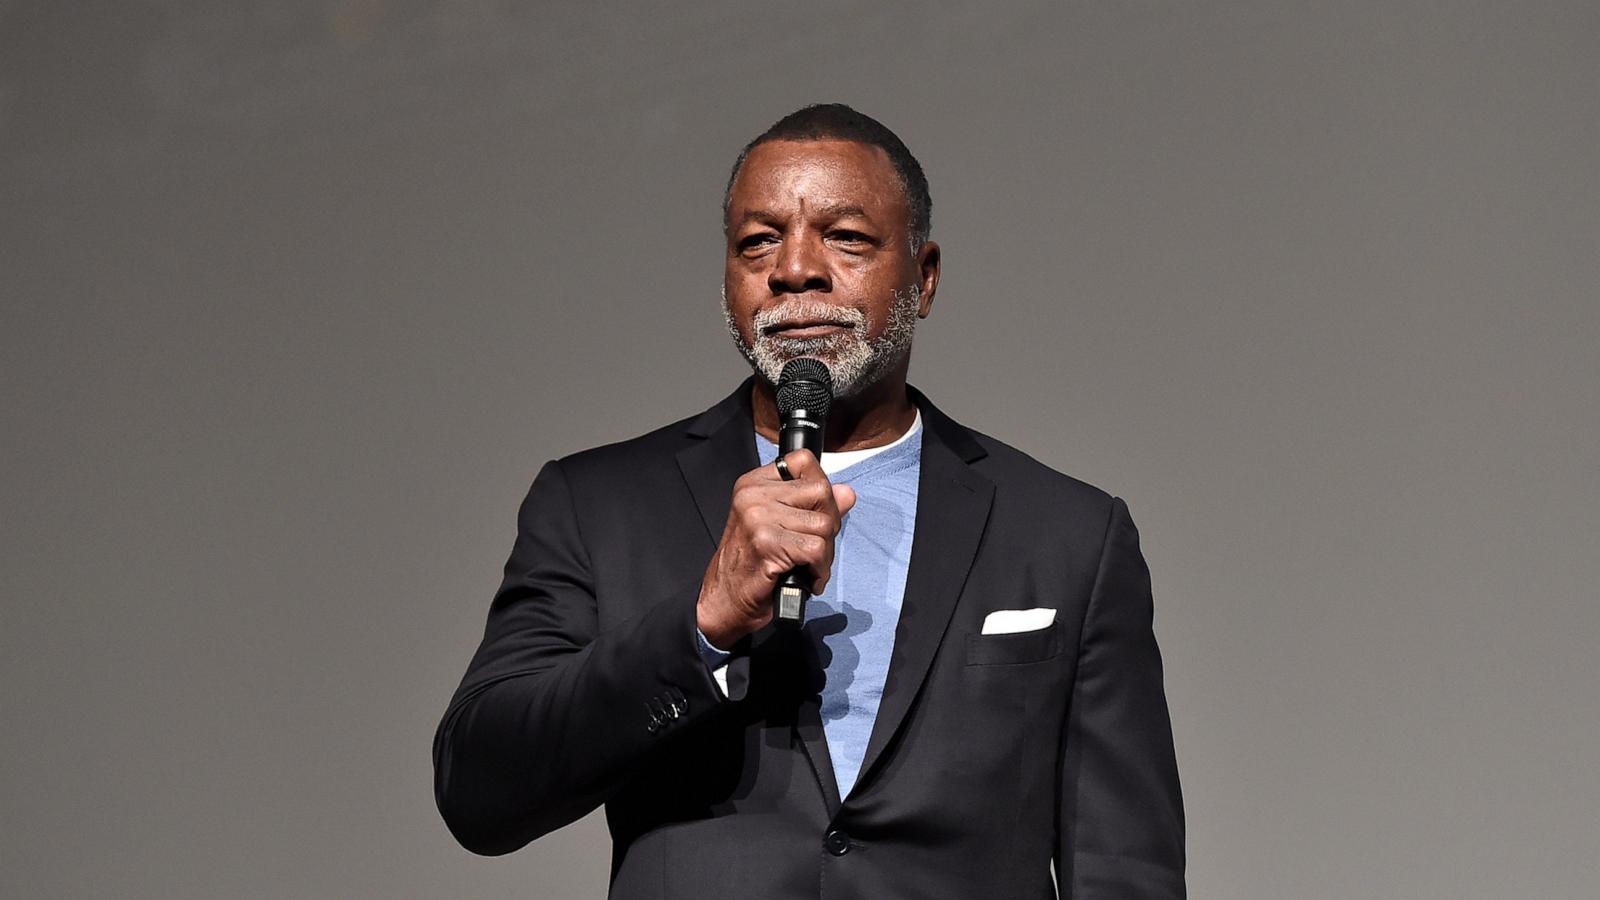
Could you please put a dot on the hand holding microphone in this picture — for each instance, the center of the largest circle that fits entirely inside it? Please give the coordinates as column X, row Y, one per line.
column 777, row 548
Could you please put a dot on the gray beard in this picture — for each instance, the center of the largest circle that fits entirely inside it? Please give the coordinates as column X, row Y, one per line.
column 855, row 362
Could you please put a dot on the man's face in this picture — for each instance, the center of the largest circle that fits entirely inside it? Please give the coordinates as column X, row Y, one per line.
column 819, row 261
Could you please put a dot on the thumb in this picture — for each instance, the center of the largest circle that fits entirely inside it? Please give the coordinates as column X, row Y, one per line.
column 844, row 496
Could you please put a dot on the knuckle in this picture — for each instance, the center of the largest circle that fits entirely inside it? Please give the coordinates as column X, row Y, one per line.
column 763, row 536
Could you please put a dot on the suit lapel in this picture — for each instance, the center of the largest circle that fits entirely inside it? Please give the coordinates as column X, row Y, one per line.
column 727, row 450
column 953, row 504
column 808, row 728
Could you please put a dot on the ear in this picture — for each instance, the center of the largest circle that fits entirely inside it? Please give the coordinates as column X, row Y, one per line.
column 927, row 276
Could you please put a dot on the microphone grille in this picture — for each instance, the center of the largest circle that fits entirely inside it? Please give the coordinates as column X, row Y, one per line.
column 805, row 384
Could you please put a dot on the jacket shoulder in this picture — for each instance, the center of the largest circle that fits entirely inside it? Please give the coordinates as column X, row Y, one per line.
column 1016, row 472
column 655, row 447
column 1017, row 476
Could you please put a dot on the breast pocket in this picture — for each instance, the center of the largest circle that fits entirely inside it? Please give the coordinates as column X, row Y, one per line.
column 1014, row 649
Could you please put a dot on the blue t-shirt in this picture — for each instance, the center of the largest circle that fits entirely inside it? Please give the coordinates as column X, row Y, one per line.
column 853, row 621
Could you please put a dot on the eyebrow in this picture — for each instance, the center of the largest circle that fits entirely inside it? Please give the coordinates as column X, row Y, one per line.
column 840, row 210
column 833, row 211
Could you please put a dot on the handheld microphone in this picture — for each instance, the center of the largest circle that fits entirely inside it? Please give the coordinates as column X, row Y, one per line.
column 805, row 392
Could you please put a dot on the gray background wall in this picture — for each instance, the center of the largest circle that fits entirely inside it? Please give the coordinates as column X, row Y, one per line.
column 298, row 296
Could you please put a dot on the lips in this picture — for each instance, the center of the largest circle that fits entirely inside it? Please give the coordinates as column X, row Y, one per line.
column 803, row 330
column 803, row 321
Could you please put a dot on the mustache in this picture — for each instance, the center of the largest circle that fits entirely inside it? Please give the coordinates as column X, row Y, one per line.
column 806, row 311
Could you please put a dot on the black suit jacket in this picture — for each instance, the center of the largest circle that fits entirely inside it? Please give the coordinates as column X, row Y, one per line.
column 990, row 756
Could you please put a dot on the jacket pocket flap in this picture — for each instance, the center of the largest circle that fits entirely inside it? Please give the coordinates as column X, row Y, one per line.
column 1011, row 649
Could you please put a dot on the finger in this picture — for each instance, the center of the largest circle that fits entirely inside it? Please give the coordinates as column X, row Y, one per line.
column 802, row 493
column 786, row 467
column 804, row 521
column 822, row 567
column 804, row 466
column 844, row 497
column 822, row 571
column 783, row 551
column 779, row 470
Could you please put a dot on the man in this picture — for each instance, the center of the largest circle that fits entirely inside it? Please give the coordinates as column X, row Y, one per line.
column 976, row 692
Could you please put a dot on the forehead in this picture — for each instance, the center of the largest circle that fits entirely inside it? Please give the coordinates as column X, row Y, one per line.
column 790, row 175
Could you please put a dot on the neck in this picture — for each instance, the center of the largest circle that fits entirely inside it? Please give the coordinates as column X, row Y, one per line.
column 875, row 417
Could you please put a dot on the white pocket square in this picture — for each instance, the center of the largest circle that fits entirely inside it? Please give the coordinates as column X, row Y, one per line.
column 1011, row 621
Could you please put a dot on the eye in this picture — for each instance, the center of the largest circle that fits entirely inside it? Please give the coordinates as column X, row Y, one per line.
column 753, row 244
column 850, row 240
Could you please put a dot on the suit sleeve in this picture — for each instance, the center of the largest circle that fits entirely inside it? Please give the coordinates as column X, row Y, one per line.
column 1121, row 815
column 553, row 713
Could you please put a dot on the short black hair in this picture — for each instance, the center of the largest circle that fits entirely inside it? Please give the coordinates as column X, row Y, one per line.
column 838, row 122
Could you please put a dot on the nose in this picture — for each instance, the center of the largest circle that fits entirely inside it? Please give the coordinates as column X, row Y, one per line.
column 799, row 267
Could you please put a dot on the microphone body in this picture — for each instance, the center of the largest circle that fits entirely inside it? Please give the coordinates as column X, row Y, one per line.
column 805, row 392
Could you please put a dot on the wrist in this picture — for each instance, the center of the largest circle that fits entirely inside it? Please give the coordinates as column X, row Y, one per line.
column 716, row 630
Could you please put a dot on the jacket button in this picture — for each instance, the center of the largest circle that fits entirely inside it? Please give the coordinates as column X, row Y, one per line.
column 837, row 843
